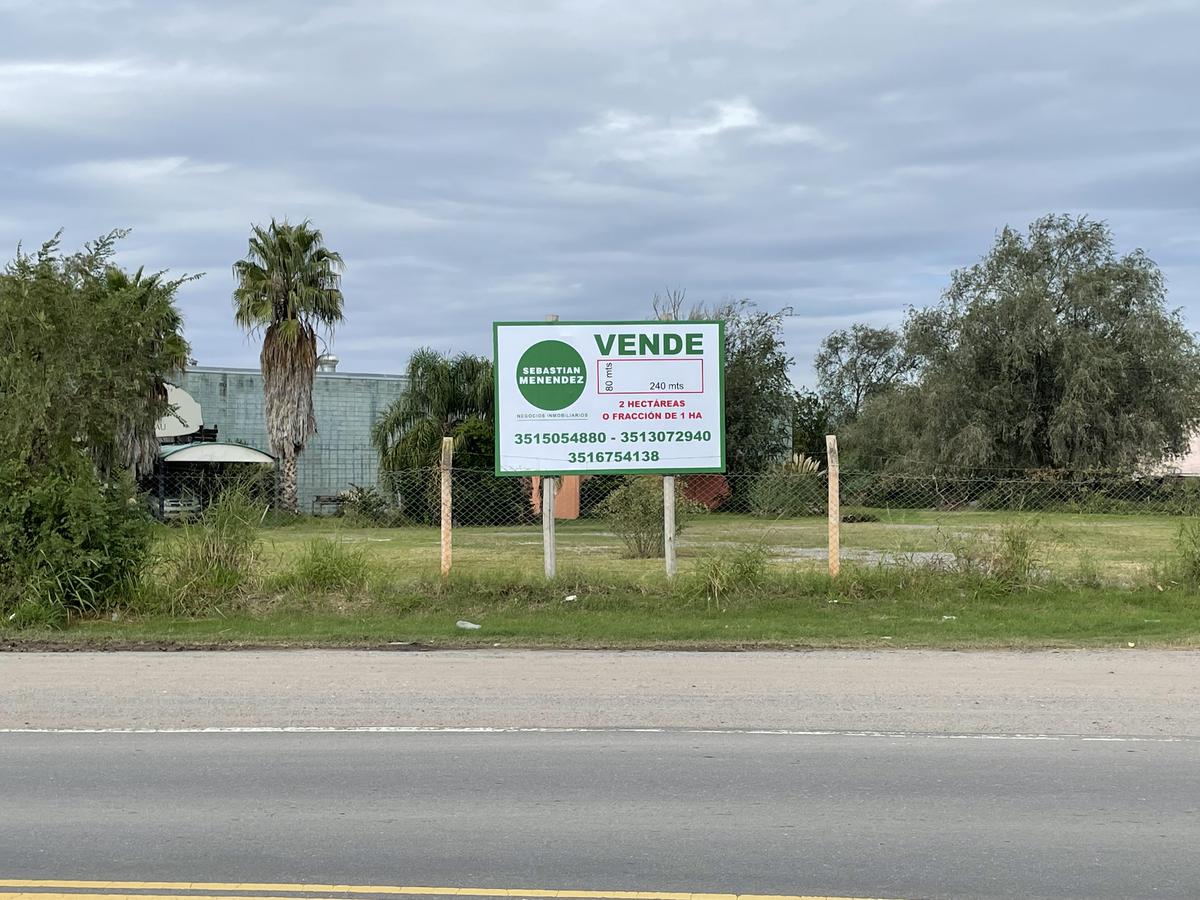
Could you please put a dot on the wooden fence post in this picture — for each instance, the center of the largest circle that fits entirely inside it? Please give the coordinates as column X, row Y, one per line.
column 447, row 505
column 835, row 506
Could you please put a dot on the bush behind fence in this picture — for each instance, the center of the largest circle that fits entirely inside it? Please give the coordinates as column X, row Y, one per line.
column 481, row 499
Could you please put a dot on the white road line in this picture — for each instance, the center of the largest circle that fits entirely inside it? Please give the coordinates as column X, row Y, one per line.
column 435, row 729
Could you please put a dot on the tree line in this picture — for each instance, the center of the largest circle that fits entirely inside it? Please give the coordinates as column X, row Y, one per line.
column 1051, row 352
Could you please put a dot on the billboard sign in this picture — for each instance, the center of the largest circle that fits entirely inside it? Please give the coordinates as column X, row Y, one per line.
column 609, row 397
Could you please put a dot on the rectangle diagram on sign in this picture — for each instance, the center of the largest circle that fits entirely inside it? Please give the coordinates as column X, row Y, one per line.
column 650, row 376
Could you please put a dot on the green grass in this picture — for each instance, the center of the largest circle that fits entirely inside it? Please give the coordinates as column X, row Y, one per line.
column 863, row 610
column 1123, row 549
column 864, row 607
column 1095, row 580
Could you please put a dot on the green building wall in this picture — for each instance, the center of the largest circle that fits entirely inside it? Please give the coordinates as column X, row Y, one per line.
column 346, row 403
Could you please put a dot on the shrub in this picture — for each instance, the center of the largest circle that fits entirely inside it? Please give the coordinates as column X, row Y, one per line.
column 634, row 512
column 68, row 542
column 85, row 349
column 594, row 490
column 479, row 497
column 1187, row 552
column 733, row 571
column 792, row 489
column 902, row 491
column 212, row 558
column 1008, row 556
column 329, row 566
column 414, row 492
column 368, row 507
column 859, row 517
column 1030, row 490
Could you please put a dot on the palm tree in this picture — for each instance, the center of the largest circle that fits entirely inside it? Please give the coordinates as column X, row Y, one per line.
column 288, row 287
column 440, row 395
column 155, row 328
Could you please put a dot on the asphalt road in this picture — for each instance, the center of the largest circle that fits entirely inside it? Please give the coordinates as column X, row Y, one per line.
column 1107, row 804
column 744, row 813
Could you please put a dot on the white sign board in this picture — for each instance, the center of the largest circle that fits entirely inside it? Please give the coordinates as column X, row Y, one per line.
column 609, row 397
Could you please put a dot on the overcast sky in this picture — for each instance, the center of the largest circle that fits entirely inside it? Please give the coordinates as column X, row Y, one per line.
column 503, row 160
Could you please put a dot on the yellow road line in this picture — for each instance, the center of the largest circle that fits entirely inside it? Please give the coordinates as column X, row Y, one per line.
column 112, row 890
column 109, row 894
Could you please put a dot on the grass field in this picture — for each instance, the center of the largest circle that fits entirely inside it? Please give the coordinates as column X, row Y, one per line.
column 1118, row 549
column 911, row 579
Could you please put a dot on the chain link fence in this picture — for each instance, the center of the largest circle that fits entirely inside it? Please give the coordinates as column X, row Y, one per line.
column 1111, row 525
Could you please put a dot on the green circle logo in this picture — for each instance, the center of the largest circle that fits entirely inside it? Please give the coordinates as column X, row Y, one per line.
column 551, row 375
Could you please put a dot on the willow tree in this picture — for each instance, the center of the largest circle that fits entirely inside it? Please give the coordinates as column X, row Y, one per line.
column 288, row 288
column 1052, row 352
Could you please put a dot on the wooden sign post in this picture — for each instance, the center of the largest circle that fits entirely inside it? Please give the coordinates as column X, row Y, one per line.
column 549, row 551
column 669, row 523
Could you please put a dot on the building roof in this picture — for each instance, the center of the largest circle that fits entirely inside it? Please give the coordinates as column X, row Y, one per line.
column 235, row 370
column 213, row 452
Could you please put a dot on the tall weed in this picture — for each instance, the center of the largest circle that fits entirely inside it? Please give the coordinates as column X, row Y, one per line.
column 213, row 558
column 732, row 572
column 68, row 540
column 1009, row 556
column 326, row 565
column 1187, row 553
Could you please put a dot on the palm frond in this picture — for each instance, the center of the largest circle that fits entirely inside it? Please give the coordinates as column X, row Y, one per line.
column 288, row 287
column 441, row 394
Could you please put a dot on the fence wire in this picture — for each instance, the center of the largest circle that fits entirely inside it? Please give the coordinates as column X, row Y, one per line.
column 1110, row 524
column 481, row 498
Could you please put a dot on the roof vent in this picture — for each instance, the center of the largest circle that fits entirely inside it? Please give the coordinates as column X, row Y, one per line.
column 327, row 362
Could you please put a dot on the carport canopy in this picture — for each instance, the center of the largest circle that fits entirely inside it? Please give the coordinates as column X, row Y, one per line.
column 213, row 452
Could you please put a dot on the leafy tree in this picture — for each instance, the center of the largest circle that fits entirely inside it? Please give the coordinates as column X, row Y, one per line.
column 759, row 396
column 288, row 287
column 441, row 393
column 85, row 349
column 758, row 391
column 85, row 354
column 810, row 423
column 480, row 497
column 855, row 363
column 1051, row 352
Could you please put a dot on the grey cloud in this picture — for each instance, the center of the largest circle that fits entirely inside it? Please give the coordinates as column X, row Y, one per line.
column 475, row 160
